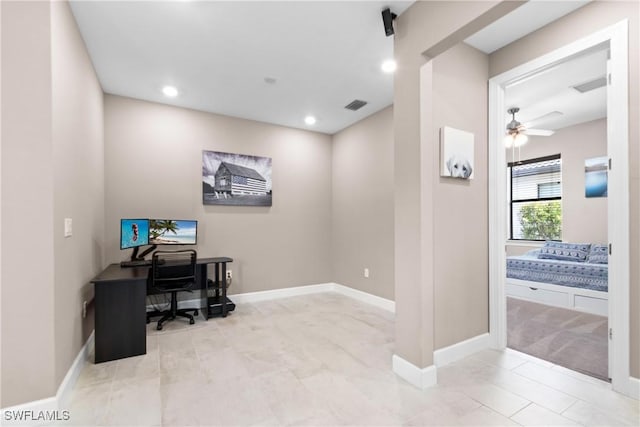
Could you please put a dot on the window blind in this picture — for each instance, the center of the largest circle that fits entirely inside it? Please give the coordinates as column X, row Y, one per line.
column 536, row 199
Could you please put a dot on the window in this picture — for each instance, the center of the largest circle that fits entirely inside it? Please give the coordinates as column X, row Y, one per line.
column 536, row 199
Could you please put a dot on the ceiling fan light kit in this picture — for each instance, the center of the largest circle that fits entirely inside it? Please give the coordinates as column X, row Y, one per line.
column 515, row 136
column 515, row 139
column 517, row 132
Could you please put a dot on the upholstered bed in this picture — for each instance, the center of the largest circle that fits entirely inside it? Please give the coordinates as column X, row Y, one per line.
column 562, row 274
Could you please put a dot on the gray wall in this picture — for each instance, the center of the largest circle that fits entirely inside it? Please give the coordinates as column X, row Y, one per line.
column 425, row 30
column 584, row 21
column 27, row 204
column 78, row 161
column 52, row 153
column 153, row 169
column 583, row 219
column 362, row 205
column 460, row 207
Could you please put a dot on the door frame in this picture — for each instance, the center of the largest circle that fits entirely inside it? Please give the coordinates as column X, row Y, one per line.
column 618, row 193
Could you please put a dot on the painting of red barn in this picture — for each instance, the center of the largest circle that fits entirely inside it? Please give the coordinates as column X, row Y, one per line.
column 235, row 179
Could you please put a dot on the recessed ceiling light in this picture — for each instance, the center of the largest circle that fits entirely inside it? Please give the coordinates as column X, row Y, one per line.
column 170, row 91
column 310, row 120
column 389, row 66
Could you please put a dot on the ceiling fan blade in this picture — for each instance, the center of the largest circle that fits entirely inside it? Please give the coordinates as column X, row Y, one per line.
column 539, row 132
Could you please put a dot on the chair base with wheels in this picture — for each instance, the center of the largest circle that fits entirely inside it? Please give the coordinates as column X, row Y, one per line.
column 174, row 312
column 173, row 272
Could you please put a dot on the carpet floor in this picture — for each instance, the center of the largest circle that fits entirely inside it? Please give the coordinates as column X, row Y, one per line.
column 568, row 338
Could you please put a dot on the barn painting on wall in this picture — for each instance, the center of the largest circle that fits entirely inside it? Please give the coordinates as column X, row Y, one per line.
column 235, row 179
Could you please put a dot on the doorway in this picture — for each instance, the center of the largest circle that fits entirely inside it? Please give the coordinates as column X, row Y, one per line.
column 614, row 39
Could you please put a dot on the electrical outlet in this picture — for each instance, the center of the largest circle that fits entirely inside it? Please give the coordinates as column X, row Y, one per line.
column 229, row 274
column 366, row 273
column 84, row 309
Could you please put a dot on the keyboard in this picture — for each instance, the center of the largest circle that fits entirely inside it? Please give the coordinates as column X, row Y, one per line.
column 136, row 263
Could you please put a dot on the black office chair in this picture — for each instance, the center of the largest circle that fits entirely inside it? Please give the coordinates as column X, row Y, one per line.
column 173, row 272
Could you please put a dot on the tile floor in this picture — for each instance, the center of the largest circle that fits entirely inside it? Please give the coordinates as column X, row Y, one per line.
column 325, row 360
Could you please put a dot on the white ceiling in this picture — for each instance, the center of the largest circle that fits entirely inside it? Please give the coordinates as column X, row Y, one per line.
column 552, row 91
column 322, row 54
column 526, row 19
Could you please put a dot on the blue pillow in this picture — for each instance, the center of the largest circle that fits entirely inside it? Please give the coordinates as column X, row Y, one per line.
column 533, row 253
column 565, row 251
column 599, row 254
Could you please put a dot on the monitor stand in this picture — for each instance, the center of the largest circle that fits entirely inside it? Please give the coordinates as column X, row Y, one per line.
column 136, row 257
column 138, row 260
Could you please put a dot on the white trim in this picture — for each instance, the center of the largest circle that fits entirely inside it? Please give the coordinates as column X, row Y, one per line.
column 618, row 206
column 632, row 388
column 525, row 243
column 365, row 297
column 63, row 396
column 459, row 351
column 61, row 400
column 497, row 218
column 250, row 297
column 618, row 218
column 421, row 378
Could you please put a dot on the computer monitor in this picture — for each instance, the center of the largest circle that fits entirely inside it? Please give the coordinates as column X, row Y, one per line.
column 173, row 232
column 134, row 233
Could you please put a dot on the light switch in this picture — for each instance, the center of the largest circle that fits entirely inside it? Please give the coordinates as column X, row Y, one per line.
column 68, row 227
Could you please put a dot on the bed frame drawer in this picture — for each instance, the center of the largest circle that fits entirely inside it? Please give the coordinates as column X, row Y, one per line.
column 591, row 304
column 544, row 296
column 587, row 300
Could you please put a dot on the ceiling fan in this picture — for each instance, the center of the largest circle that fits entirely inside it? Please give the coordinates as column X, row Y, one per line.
column 517, row 132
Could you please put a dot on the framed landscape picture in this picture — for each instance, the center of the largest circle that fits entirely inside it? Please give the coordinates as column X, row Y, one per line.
column 595, row 177
column 235, row 179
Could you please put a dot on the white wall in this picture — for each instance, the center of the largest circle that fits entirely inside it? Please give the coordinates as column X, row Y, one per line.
column 153, row 169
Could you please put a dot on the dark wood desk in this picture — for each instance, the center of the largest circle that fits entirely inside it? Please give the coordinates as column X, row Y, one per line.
column 120, row 301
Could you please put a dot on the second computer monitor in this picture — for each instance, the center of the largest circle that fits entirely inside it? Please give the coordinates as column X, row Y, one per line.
column 173, row 232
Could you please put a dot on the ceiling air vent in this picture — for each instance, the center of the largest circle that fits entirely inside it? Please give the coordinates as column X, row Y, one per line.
column 593, row 84
column 355, row 105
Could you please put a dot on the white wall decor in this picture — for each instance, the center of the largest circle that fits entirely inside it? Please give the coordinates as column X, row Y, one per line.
column 456, row 153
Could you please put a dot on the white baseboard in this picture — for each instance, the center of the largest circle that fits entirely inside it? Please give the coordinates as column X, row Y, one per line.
column 365, row 297
column 633, row 388
column 250, row 297
column 63, row 396
column 459, row 351
column 421, row 378
column 47, row 411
